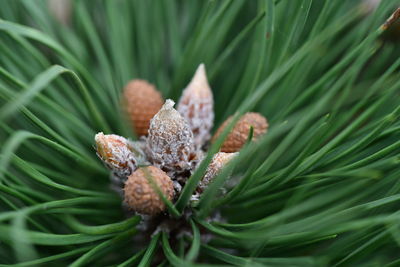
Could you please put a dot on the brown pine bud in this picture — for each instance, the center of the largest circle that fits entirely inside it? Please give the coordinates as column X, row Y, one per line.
column 218, row 162
column 197, row 106
column 141, row 194
column 142, row 101
column 240, row 132
column 115, row 152
column 170, row 142
column 391, row 27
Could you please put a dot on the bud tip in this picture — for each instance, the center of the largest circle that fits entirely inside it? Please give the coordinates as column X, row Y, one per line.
column 169, row 104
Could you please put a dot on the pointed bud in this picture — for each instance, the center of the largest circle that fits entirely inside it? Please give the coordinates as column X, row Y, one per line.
column 196, row 106
column 114, row 151
column 140, row 194
column 391, row 27
column 240, row 132
column 142, row 101
column 218, row 162
column 170, row 142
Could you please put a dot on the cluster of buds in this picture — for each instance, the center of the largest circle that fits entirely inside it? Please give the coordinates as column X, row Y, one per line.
column 171, row 145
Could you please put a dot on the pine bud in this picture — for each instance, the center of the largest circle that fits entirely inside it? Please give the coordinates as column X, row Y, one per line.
column 196, row 106
column 391, row 27
column 240, row 132
column 141, row 194
column 116, row 154
column 142, row 101
column 170, row 142
column 218, row 162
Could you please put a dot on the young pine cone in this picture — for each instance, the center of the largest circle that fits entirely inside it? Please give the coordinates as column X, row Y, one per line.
column 218, row 162
column 141, row 101
column 196, row 106
column 240, row 132
column 170, row 142
column 140, row 193
column 116, row 154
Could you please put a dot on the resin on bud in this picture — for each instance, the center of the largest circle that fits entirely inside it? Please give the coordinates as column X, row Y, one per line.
column 170, row 143
column 115, row 152
column 217, row 163
column 196, row 106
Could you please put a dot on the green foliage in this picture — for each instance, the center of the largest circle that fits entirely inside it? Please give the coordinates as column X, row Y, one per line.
column 321, row 188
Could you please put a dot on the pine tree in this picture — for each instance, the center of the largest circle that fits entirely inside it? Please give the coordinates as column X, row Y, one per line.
column 320, row 188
